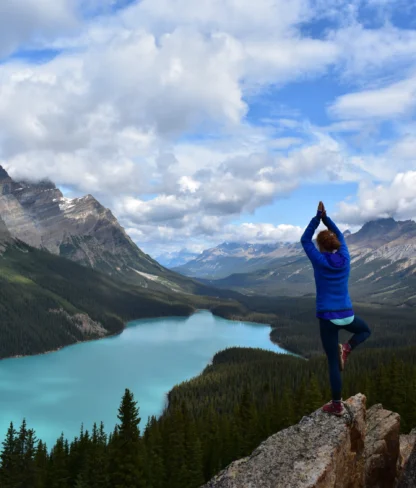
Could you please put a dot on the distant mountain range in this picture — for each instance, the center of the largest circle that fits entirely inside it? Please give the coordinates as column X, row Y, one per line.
column 383, row 265
column 231, row 257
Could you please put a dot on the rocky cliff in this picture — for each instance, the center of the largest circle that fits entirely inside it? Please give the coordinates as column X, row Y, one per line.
column 80, row 229
column 362, row 449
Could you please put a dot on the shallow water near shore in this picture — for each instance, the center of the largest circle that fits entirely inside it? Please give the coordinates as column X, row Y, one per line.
column 84, row 383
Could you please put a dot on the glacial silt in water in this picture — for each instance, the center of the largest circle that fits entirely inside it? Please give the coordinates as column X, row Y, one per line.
column 84, row 383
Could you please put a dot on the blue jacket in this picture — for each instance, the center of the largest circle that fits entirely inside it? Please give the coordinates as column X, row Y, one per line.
column 331, row 270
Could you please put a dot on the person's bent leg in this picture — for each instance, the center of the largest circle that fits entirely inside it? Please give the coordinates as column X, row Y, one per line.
column 360, row 330
column 329, row 338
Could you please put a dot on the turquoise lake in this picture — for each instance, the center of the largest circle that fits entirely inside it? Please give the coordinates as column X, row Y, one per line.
column 84, row 383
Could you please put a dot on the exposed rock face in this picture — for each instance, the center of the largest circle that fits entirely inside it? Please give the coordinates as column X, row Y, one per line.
column 321, row 451
column 5, row 236
column 80, row 229
column 84, row 323
column 360, row 450
column 408, row 460
column 407, row 443
column 382, row 447
column 408, row 477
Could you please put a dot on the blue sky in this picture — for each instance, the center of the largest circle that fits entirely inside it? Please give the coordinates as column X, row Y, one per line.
column 219, row 121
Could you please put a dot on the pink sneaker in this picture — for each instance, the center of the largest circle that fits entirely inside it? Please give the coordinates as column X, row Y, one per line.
column 344, row 352
column 334, row 408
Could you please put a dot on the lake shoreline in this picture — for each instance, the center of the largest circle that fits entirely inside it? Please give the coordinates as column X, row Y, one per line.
column 80, row 386
column 233, row 318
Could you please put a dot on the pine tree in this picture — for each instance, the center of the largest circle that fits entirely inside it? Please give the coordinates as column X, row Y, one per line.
column 127, row 465
column 234, row 449
column 96, row 471
column 155, row 470
column 300, row 407
column 175, row 450
column 287, row 415
column 211, row 444
column 41, row 465
column 59, row 470
column 248, row 421
column 313, row 397
column 80, row 483
column 28, row 457
column 193, row 454
column 9, row 470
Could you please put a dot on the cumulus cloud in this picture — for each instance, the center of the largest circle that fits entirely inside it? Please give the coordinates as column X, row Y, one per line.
column 121, row 114
column 396, row 199
column 238, row 184
column 34, row 21
column 210, row 231
column 262, row 233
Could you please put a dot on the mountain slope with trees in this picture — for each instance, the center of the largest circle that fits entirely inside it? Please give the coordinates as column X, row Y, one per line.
column 47, row 302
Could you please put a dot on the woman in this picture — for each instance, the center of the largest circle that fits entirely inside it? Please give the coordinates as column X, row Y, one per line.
column 331, row 265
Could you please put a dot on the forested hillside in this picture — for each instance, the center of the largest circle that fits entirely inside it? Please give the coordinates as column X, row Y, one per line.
column 47, row 302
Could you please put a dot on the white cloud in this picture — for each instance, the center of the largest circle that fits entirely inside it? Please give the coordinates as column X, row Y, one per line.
column 368, row 53
column 404, row 149
column 33, row 21
column 114, row 115
column 396, row 199
column 395, row 100
column 211, row 232
column 262, row 233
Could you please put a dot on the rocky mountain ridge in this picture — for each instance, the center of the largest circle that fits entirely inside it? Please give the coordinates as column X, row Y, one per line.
column 363, row 449
column 80, row 229
column 223, row 260
column 383, row 257
column 383, row 238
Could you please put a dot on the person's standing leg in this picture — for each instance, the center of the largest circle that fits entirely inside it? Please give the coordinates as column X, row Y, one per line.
column 329, row 338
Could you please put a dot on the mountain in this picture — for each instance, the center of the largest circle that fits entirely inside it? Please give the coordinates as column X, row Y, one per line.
column 176, row 258
column 383, row 256
column 225, row 259
column 47, row 302
column 82, row 230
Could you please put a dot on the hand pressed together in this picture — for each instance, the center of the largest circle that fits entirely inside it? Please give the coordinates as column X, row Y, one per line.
column 321, row 209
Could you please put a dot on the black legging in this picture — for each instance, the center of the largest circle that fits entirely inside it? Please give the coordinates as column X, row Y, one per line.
column 329, row 337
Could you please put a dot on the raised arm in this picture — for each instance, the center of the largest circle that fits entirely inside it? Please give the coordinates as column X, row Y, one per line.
column 306, row 240
column 333, row 228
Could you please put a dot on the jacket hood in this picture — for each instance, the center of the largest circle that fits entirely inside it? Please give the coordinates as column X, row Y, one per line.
column 336, row 260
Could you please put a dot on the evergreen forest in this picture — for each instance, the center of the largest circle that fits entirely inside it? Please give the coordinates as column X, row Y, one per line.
column 239, row 400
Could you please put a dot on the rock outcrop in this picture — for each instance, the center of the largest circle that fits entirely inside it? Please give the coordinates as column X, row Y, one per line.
column 362, row 449
column 407, row 468
column 321, row 451
column 408, row 477
column 382, row 447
